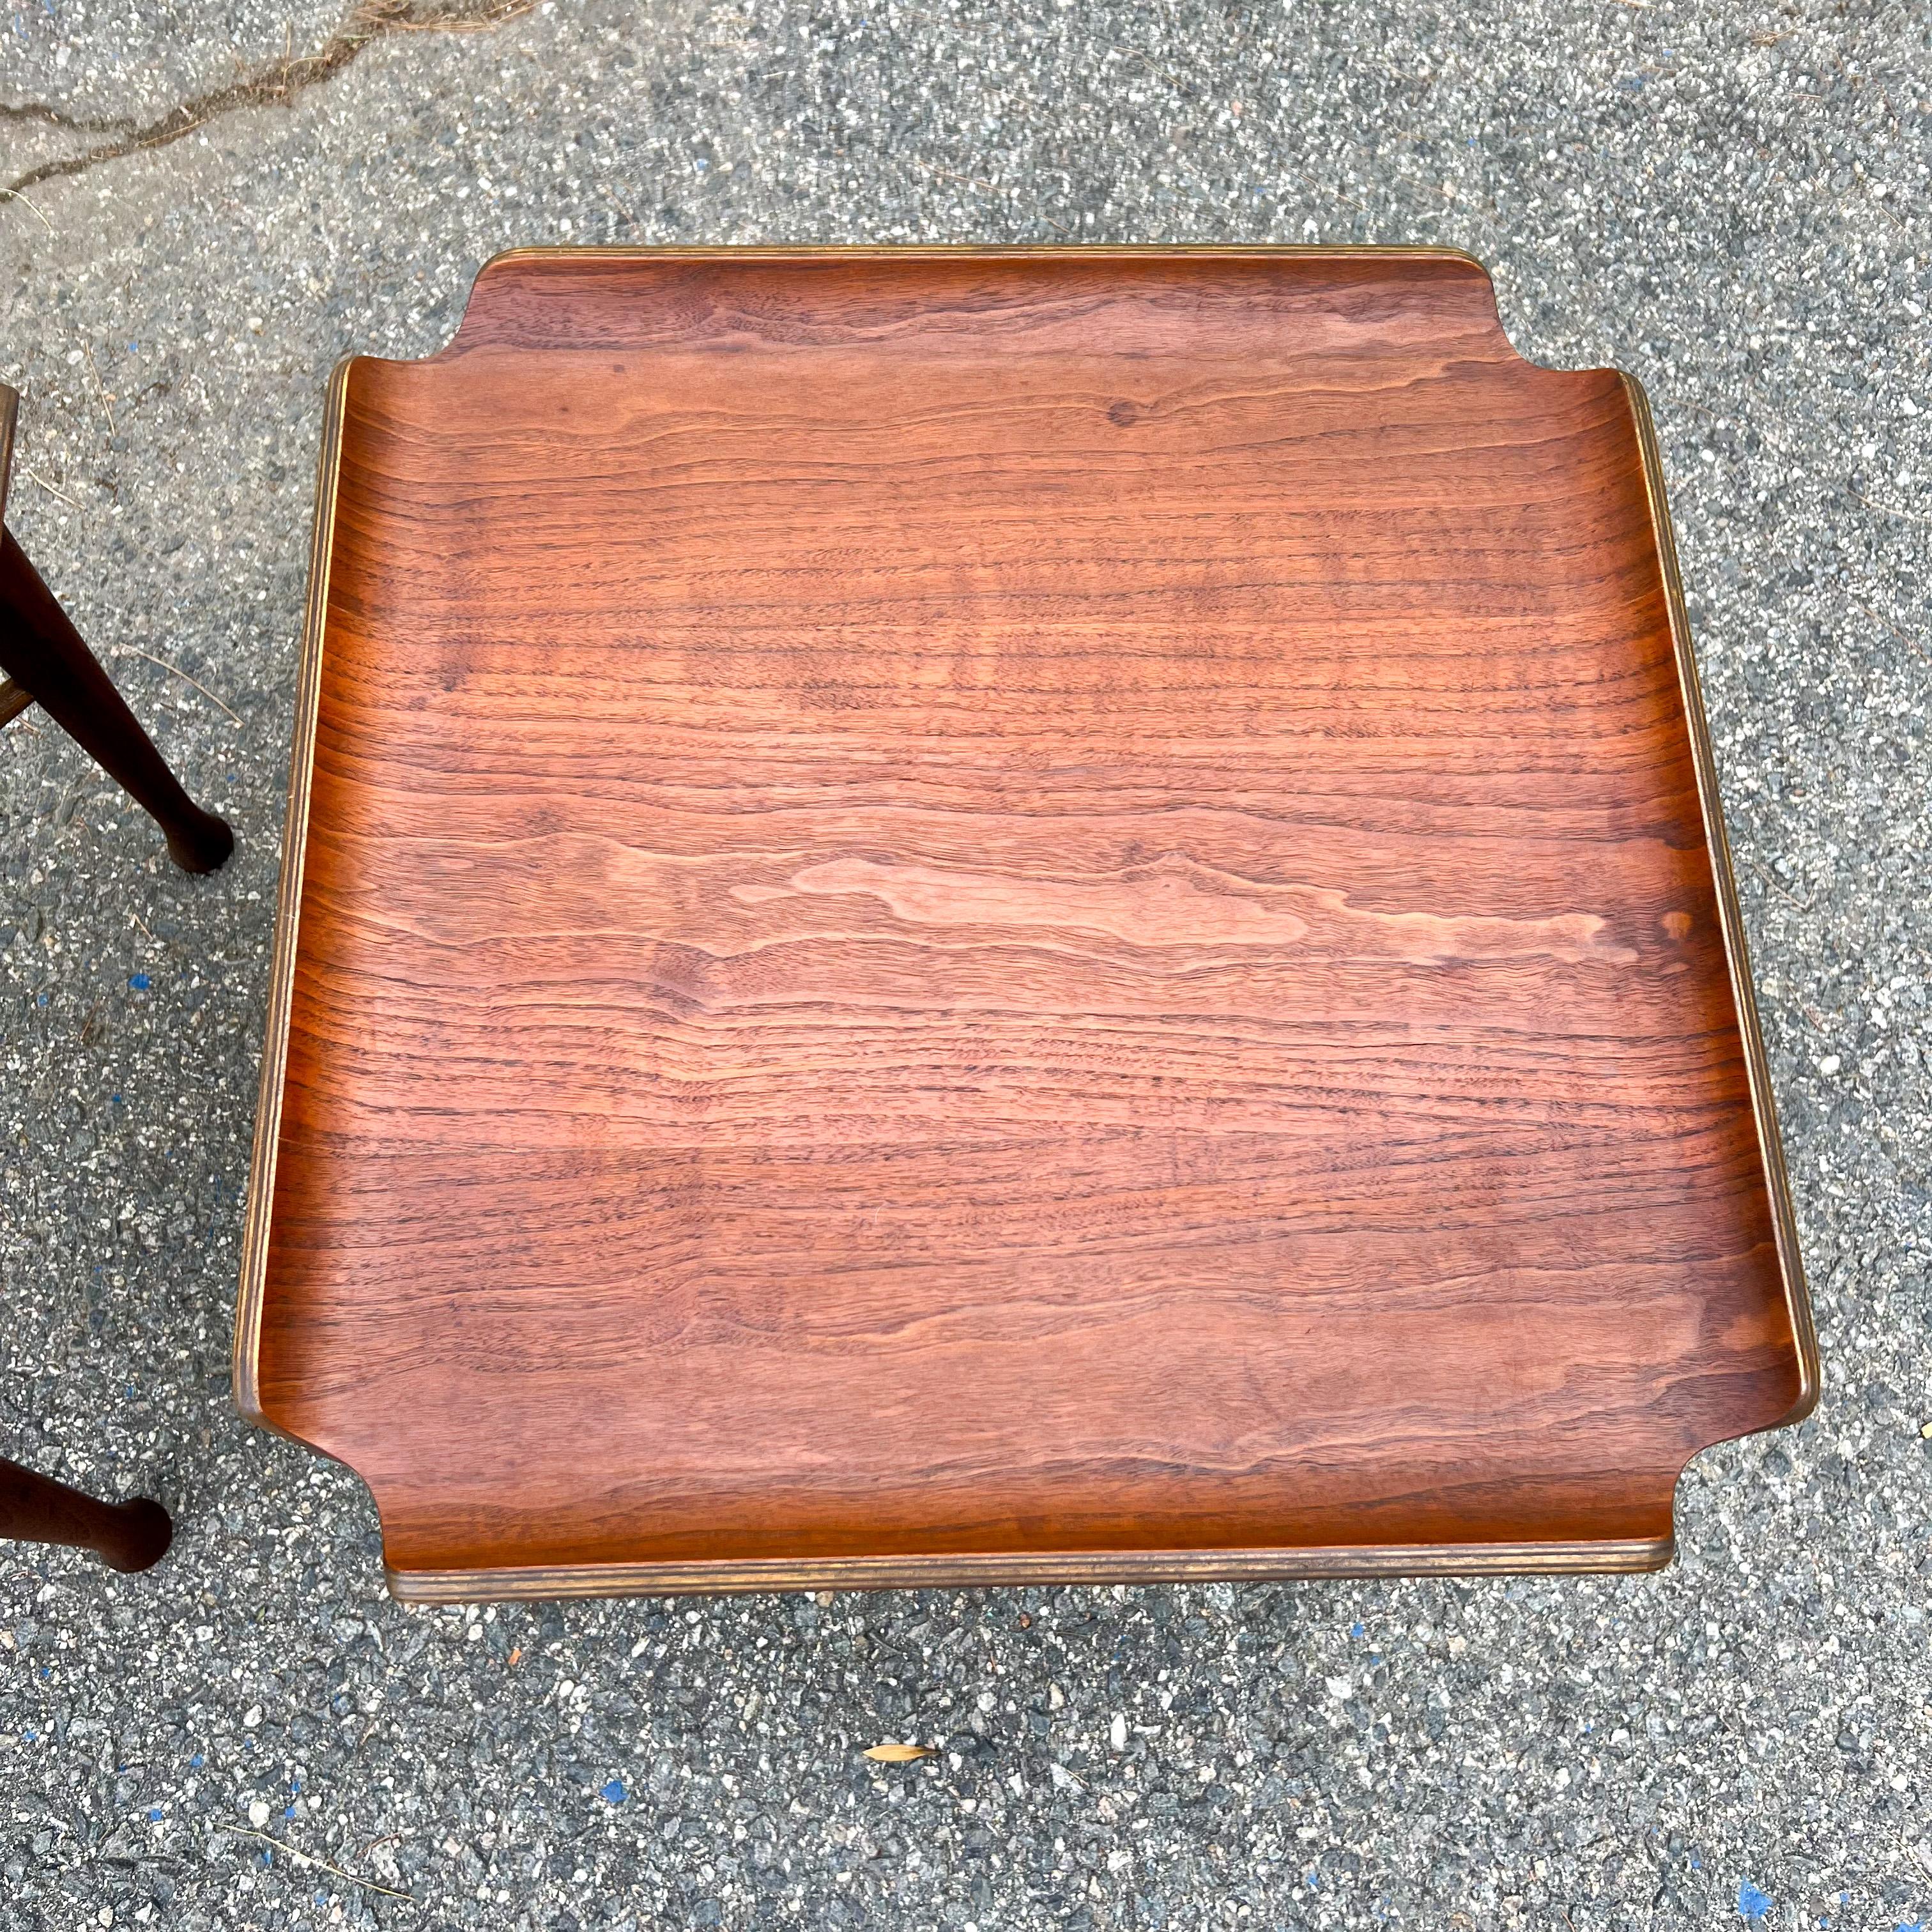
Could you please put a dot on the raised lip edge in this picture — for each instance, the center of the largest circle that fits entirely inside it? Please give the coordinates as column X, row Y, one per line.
column 1115, row 251
column 892, row 1571
column 1737, row 952
column 1612, row 1556
column 244, row 1371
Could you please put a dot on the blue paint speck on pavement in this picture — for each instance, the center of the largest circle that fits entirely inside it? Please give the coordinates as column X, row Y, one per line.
column 614, row 1791
column 1751, row 1902
column 139, row 982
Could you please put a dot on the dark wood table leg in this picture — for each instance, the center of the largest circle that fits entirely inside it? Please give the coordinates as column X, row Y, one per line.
column 42, row 653
column 36, row 1509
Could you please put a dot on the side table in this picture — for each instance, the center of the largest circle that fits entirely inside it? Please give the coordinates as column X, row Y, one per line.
column 974, row 916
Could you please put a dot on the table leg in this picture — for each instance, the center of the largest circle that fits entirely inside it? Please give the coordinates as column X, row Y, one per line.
column 42, row 653
column 133, row 1535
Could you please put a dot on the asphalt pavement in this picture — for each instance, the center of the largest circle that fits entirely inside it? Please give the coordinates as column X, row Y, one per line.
column 210, row 203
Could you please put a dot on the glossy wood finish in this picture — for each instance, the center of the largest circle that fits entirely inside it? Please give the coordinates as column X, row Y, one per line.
column 46, row 662
column 966, row 915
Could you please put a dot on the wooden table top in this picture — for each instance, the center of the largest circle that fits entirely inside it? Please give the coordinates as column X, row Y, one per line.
column 972, row 916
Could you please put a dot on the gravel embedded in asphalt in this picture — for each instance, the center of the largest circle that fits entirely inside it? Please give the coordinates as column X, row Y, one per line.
column 1731, row 202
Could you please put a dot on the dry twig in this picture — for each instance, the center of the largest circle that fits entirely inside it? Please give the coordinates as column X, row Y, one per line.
column 180, row 673
column 321, row 1864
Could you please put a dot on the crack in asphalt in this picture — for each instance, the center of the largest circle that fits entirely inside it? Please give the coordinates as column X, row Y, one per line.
column 55, row 117
column 278, row 83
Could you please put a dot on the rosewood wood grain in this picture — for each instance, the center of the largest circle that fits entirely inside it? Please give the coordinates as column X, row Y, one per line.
column 969, row 915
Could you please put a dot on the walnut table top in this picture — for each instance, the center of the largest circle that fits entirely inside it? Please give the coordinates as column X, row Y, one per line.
column 975, row 915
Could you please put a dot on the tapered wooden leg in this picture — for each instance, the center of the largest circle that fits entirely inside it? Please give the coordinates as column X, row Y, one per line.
column 36, row 1509
column 43, row 653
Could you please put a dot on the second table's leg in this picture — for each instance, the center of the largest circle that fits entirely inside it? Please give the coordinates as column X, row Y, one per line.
column 42, row 653
column 36, row 1509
